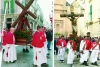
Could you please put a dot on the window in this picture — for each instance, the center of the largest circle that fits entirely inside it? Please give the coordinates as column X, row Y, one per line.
column 90, row 13
column 58, row 27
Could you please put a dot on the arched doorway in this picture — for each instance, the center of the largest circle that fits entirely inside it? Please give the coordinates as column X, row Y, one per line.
column 58, row 28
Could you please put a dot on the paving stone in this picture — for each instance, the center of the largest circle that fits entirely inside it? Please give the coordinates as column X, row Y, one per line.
column 25, row 59
column 76, row 62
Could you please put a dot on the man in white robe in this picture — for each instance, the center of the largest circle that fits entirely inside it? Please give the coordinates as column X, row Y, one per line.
column 45, row 42
column 95, row 51
column 10, row 49
column 81, row 50
column 38, row 48
column 84, row 50
column 61, row 44
column 71, row 45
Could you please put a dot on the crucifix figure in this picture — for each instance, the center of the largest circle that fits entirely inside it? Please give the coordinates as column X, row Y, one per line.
column 73, row 18
column 23, row 23
column 25, row 9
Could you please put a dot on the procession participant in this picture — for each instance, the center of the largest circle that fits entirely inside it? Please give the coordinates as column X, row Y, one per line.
column 38, row 48
column 49, row 38
column 85, row 51
column 55, row 48
column 95, row 51
column 45, row 40
column 61, row 44
column 81, row 49
column 4, row 38
column 10, row 49
column 71, row 45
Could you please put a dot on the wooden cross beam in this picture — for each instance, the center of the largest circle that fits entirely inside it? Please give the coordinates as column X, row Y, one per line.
column 73, row 19
column 72, row 16
column 69, row 15
column 24, row 9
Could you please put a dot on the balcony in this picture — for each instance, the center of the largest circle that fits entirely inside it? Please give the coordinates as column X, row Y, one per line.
column 10, row 11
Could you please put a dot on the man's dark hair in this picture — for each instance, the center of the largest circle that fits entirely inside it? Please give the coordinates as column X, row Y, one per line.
column 85, row 36
column 38, row 27
column 62, row 35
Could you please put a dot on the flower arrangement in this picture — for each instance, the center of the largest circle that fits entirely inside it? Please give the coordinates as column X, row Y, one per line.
column 57, row 34
column 22, row 34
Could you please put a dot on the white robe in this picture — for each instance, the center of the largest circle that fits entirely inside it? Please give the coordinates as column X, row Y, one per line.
column 81, row 48
column 94, row 54
column 61, row 52
column 0, row 57
column 41, row 57
column 71, row 54
column 11, row 53
column 45, row 47
column 3, row 47
column 85, row 56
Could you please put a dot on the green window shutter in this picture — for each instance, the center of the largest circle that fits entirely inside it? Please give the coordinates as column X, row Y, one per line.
column 5, row 4
column 90, row 13
column 12, row 6
column 23, row 2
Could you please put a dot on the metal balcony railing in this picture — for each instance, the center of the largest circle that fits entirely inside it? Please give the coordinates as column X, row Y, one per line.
column 9, row 11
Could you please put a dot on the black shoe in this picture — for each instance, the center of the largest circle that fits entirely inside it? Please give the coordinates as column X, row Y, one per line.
column 77, row 56
column 3, row 50
column 48, row 54
column 54, row 53
column 49, row 49
column 85, row 63
column 92, row 63
column 31, row 47
column 98, row 59
column 24, row 50
column 14, row 61
column 96, row 64
column 27, row 50
column 34, row 65
column 62, row 61
column 44, row 64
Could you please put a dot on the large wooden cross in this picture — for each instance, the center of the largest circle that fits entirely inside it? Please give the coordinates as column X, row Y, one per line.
column 24, row 9
column 73, row 18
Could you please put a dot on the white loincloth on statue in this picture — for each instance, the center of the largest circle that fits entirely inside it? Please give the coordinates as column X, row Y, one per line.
column 41, row 56
column 61, row 53
column 45, row 47
column 94, row 54
column 71, row 54
column 12, row 55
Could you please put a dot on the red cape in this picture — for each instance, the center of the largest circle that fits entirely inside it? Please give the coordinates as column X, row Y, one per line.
column 59, row 43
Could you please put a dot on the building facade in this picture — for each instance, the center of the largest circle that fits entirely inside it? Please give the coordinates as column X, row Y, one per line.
column 63, row 25
column 92, row 15
column 13, row 11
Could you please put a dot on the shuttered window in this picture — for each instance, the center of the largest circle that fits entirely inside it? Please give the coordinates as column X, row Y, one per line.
column 90, row 13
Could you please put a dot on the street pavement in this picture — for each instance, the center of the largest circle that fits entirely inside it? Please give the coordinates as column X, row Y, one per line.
column 25, row 59
column 76, row 62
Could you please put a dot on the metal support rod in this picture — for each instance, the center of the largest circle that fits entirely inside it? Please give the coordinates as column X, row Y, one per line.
column 3, row 23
